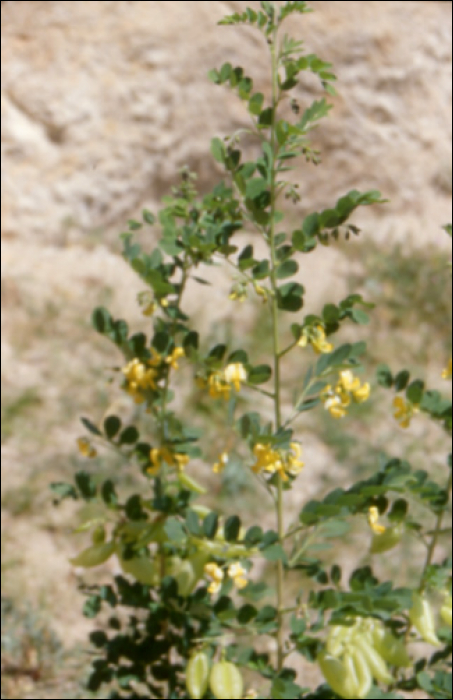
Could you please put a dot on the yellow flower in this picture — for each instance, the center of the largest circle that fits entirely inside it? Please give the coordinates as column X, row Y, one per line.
column 362, row 394
column 238, row 293
column 278, row 461
column 221, row 464
column 162, row 454
column 216, row 575
column 348, row 387
column 268, row 460
column 156, row 359
column 218, row 388
column 235, row 374
column 294, row 465
column 405, row 411
column 373, row 517
column 86, row 448
column 351, row 384
column 147, row 302
column 335, row 403
column 316, row 336
column 447, row 373
column 348, row 381
column 238, row 573
column 174, row 357
column 149, row 309
column 261, row 291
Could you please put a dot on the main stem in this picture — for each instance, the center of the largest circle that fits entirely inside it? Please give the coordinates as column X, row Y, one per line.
column 436, row 533
column 276, row 350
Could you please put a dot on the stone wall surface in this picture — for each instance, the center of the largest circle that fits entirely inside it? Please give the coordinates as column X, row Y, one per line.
column 103, row 101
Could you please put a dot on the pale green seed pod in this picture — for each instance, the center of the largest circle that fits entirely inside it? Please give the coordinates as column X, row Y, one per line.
column 197, row 675
column 141, row 568
column 387, row 540
column 445, row 611
column 390, row 647
column 94, row 555
column 98, row 535
column 226, row 681
column 378, row 667
column 189, row 483
column 183, row 571
column 421, row 616
column 362, row 672
column 340, row 675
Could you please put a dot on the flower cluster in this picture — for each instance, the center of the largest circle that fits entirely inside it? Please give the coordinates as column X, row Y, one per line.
column 281, row 462
column 316, row 337
column 164, row 454
column 404, row 411
column 235, row 571
column 355, row 655
column 139, row 378
column 348, row 388
column 220, row 382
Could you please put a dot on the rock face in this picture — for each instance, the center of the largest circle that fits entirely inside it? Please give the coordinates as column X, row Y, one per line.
column 102, row 102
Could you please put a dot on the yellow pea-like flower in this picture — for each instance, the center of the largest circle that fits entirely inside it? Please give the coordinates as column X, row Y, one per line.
column 373, row 517
column 404, row 411
column 86, row 448
column 447, row 373
column 235, row 374
column 172, row 359
column 221, row 464
column 238, row 574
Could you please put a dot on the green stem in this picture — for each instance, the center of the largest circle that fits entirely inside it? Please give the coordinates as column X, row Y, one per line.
column 436, row 534
column 276, row 347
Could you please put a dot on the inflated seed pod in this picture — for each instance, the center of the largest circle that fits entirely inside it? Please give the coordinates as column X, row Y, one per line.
column 378, row 667
column 339, row 637
column 197, row 675
column 98, row 535
column 390, row 647
column 141, row 568
column 189, row 483
column 421, row 616
column 341, row 678
column 226, row 681
column 387, row 539
column 362, row 672
column 445, row 611
column 183, row 571
column 94, row 555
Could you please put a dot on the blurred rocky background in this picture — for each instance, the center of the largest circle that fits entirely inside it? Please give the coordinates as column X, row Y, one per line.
column 102, row 102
